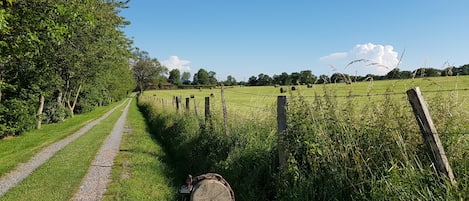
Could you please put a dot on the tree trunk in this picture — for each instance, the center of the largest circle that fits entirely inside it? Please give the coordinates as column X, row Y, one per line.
column 71, row 107
column 140, row 85
column 59, row 98
column 40, row 108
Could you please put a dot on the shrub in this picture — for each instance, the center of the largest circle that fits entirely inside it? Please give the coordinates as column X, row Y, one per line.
column 17, row 117
column 54, row 112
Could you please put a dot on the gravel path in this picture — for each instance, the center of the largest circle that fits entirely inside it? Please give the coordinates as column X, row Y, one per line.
column 23, row 170
column 94, row 184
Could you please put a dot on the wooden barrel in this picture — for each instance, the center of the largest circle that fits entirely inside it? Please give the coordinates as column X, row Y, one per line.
column 212, row 187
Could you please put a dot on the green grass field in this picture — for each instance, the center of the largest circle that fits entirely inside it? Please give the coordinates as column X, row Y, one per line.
column 244, row 101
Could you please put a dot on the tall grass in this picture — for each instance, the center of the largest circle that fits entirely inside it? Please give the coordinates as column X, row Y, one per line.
column 246, row 157
column 339, row 147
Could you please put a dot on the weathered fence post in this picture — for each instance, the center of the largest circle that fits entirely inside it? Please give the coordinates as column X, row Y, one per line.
column 195, row 109
column 178, row 100
column 207, row 110
column 187, row 103
column 223, row 104
column 282, row 108
column 429, row 132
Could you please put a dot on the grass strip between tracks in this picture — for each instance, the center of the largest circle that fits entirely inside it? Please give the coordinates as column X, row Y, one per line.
column 140, row 171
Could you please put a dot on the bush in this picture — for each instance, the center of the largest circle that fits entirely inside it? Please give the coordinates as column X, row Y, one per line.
column 17, row 117
column 54, row 112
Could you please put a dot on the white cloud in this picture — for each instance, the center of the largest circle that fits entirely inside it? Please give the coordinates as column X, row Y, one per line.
column 333, row 56
column 377, row 59
column 173, row 62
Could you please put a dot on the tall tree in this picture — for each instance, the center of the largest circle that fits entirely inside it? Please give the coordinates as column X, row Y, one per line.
column 307, row 77
column 202, row 77
column 186, row 76
column 211, row 77
column 174, row 77
column 146, row 69
column 230, row 81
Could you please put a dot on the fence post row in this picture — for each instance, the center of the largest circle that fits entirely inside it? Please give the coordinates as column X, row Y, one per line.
column 282, row 108
column 429, row 132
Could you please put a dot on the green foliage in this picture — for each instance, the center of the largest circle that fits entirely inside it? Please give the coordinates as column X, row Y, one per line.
column 16, row 117
column 54, row 112
column 174, row 77
column 63, row 45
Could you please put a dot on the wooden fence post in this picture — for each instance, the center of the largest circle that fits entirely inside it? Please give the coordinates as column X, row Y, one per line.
column 282, row 107
column 429, row 132
column 187, row 103
column 207, row 110
column 178, row 100
column 195, row 109
column 223, row 104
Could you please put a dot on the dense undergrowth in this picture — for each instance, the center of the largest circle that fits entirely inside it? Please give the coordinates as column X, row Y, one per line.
column 338, row 148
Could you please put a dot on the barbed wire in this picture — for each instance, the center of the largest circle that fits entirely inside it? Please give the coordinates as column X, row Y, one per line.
column 252, row 94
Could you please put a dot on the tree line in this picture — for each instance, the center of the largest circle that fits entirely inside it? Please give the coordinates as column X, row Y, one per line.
column 305, row 77
column 59, row 58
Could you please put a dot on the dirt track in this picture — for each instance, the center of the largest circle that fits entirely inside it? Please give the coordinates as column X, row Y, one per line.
column 95, row 182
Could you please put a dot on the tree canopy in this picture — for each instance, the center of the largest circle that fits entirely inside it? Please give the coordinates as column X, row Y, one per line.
column 61, row 54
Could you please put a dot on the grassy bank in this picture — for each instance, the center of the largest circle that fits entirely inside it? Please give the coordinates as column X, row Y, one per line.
column 141, row 170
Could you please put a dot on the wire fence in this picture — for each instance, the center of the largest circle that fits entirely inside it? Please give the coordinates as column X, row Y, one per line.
column 267, row 102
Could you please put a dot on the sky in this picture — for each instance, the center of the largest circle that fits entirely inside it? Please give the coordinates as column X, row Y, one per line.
column 244, row 38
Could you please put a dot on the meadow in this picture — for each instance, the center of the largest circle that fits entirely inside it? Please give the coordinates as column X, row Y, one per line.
column 343, row 142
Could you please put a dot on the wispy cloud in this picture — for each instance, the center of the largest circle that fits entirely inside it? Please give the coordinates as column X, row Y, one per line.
column 173, row 62
column 380, row 59
column 334, row 56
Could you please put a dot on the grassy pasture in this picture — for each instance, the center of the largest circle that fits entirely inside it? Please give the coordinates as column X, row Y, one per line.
column 248, row 100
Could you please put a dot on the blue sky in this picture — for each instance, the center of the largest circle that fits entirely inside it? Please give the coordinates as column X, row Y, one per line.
column 248, row 37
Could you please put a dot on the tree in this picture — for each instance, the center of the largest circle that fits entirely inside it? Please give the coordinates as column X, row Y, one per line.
column 59, row 52
column 295, row 78
column 323, row 79
column 174, row 77
column 282, row 79
column 201, row 77
column 307, row 77
column 393, row 74
column 252, row 81
column 230, row 81
column 186, row 76
column 264, row 80
column 212, row 79
column 146, row 69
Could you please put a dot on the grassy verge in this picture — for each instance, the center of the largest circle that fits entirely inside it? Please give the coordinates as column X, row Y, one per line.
column 15, row 150
column 60, row 176
column 140, row 171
